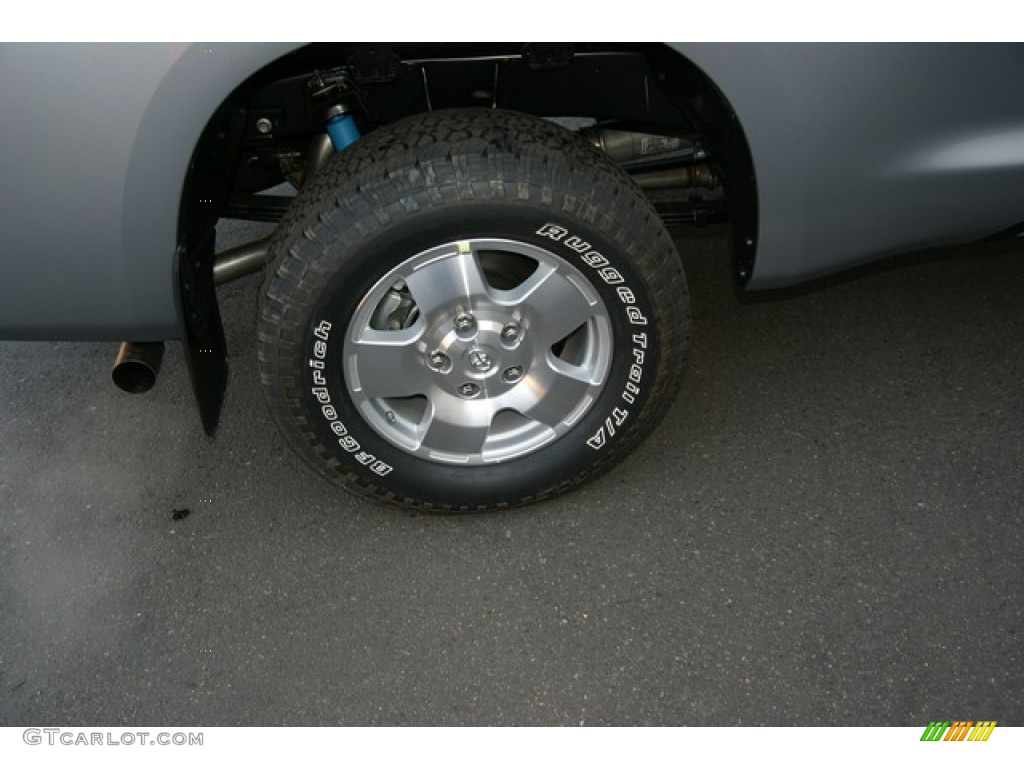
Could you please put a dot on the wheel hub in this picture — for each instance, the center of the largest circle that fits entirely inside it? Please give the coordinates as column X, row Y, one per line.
column 480, row 361
column 483, row 353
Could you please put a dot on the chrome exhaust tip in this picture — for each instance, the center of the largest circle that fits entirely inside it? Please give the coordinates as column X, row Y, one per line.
column 137, row 365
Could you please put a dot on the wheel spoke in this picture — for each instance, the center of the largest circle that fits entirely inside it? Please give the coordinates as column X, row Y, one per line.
column 449, row 280
column 551, row 394
column 389, row 365
column 554, row 305
column 457, row 427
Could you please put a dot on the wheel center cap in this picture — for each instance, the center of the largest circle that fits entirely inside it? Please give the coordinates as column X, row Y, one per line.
column 480, row 360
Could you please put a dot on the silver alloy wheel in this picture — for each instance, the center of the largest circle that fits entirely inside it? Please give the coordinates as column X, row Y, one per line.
column 477, row 351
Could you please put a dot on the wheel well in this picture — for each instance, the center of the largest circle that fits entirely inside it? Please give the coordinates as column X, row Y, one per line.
column 262, row 134
column 648, row 89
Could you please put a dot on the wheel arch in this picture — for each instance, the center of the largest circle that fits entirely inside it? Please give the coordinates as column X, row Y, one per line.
column 211, row 147
column 196, row 85
column 684, row 73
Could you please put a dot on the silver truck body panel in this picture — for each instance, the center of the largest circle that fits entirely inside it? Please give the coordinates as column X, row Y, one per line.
column 94, row 178
column 863, row 151
column 859, row 151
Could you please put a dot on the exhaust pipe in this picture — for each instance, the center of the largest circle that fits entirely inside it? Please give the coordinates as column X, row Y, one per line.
column 240, row 261
column 251, row 257
column 685, row 176
column 136, row 365
column 631, row 148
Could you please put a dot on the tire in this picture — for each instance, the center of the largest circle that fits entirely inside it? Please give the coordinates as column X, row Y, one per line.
column 470, row 309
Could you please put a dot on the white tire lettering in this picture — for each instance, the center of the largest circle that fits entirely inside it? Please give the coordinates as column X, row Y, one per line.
column 576, row 244
column 610, row 276
column 553, row 231
column 635, row 316
column 380, row 468
column 348, row 443
column 323, row 330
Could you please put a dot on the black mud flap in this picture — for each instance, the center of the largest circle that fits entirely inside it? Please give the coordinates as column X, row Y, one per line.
column 207, row 189
column 205, row 348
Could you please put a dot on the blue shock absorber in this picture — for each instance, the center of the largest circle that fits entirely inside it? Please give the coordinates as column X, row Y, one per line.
column 341, row 128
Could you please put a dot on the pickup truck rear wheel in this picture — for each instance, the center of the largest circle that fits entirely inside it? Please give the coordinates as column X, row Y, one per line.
column 470, row 309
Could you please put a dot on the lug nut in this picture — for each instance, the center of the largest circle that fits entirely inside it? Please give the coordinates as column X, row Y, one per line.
column 438, row 360
column 513, row 374
column 465, row 322
column 264, row 125
column 469, row 390
column 511, row 333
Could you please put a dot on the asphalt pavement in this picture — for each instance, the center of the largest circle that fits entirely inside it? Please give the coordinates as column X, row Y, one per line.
column 826, row 530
